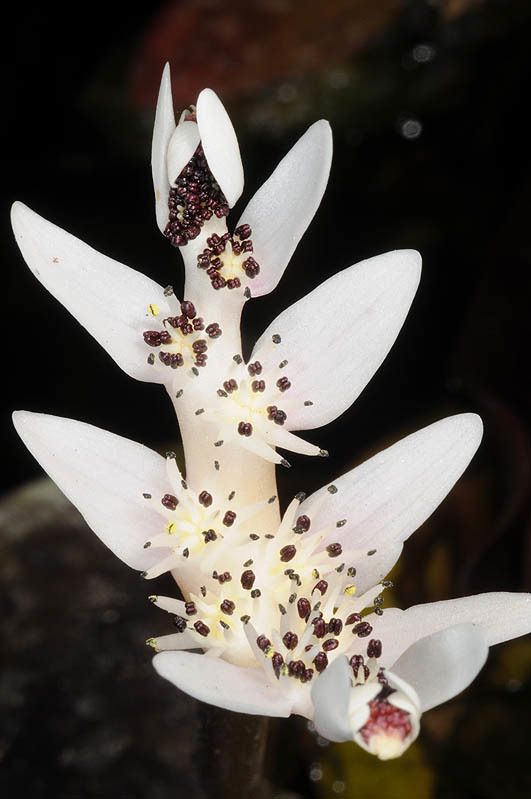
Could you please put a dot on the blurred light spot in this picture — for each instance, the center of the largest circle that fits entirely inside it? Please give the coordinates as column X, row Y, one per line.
column 338, row 786
column 423, row 53
column 311, row 726
column 410, row 128
column 322, row 741
column 338, row 79
column 287, row 93
column 316, row 772
column 513, row 685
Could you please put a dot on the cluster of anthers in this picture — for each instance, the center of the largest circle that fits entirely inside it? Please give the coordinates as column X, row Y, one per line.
column 194, row 198
column 183, row 339
column 285, row 600
column 226, row 258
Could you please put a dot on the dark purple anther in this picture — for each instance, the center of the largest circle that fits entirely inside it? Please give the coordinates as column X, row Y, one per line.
column 152, row 337
column 250, row 266
column 254, row 368
column 304, row 522
column 188, row 308
column 321, row 586
column 334, row 550
column 247, row 579
column 228, row 519
column 201, row 628
column 331, row 644
column 362, row 630
column 180, row 623
column 335, row 626
column 227, row 606
column 287, row 553
column 356, row 662
column 279, row 417
column 213, row 330
column 277, row 660
column 205, row 499
column 283, row 383
column 262, row 642
column 290, row 640
column 245, row 428
column 374, row 648
column 169, row 501
column 190, row 608
column 304, row 608
column 353, row 618
column 320, row 661
column 243, row 231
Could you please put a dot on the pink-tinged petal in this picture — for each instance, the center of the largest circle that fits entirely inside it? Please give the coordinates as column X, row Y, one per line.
column 336, row 337
column 284, row 206
column 162, row 132
column 386, row 498
column 104, row 476
column 500, row 615
column 220, row 145
column 109, row 299
column 222, row 684
column 442, row 665
column 330, row 695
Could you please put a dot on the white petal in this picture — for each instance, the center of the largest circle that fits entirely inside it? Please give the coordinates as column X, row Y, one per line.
column 162, row 131
column 385, row 499
column 220, row 145
column 104, row 476
column 284, row 206
column 109, row 299
column 181, row 148
column 442, row 665
column 336, row 337
column 331, row 695
column 500, row 615
column 220, row 683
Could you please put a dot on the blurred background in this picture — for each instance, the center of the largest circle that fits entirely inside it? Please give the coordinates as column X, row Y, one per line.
column 428, row 103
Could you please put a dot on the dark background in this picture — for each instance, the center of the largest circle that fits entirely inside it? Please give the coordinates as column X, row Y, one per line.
column 428, row 103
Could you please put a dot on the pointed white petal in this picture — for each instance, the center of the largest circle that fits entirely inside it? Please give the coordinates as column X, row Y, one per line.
column 162, row 131
column 284, row 206
column 385, row 499
column 182, row 146
column 336, row 337
column 442, row 665
column 109, row 299
column 222, row 684
column 500, row 615
column 104, row 476
column 331, row 695
column 220, row 145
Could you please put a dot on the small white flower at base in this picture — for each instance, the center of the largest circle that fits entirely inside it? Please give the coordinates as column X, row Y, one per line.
column 393, row 718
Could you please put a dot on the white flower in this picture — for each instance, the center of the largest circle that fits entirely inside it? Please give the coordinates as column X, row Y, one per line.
column 310, row 368
column 288, row 611
column 276, row 609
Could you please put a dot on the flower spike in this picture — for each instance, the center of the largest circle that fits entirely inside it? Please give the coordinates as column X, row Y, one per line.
column 289, row 610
